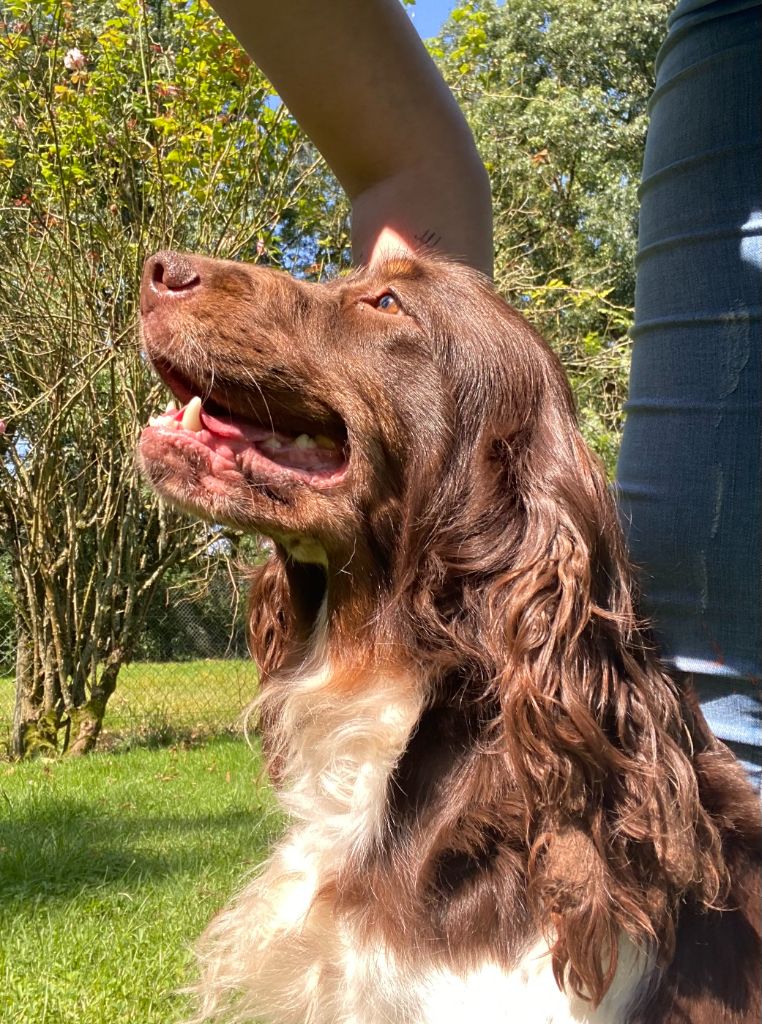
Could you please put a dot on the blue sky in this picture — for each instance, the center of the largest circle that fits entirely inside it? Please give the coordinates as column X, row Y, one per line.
column 429, row 15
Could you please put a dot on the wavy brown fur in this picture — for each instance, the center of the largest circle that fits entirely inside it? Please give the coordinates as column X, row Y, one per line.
column 558, row 780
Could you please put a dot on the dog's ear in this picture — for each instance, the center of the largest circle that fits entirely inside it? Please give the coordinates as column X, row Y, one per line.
column 270, row 615
column 270, row 629
column 561, row 614
column 590, row 723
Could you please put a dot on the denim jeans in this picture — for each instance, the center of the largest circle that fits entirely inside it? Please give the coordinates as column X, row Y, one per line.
column 690, row 469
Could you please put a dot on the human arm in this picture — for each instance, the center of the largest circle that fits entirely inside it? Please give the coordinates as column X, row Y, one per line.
column 359, row 81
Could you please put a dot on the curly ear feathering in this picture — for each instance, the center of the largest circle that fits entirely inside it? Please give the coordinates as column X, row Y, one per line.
column 500, row 804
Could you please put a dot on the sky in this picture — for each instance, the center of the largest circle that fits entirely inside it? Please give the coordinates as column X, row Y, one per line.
column 429, row 15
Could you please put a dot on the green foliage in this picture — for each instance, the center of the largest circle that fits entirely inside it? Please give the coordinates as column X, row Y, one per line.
column 135, row 117
column 125, row 127
column 556, row 94
column 195, row 616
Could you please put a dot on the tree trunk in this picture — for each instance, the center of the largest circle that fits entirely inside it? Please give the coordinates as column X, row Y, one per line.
column 86, row 721
column 34, row 729
column 24, row 710
column 85, row 727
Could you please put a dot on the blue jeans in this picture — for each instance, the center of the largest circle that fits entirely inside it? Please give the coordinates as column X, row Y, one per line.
column 690, row 469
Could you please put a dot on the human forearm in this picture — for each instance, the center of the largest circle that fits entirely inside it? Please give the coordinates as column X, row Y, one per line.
column 361, row 84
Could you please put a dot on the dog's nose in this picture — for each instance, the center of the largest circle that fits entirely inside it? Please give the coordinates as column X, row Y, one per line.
column 167, row 275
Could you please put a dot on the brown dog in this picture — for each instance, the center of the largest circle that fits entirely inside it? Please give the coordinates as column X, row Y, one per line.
column 502, row 808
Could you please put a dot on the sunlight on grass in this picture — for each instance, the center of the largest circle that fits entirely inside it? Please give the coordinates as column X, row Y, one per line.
column 211, row 693
column 109, row 868
column 158, row 700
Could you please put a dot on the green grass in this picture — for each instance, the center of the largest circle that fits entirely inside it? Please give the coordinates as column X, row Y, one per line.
column 109, row 868
column 157, row 701
column 184, row 693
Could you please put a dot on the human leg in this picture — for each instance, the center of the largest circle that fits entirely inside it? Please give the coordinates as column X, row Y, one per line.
column 690, row 470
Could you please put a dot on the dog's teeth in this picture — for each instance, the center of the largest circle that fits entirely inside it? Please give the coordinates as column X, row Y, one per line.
column 272, row 443
column 171, row 407
column 192, row 415
column 164, row 421
column 305, row 441
column 325, row 442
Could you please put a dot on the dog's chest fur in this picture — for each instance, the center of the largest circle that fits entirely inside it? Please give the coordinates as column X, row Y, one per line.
column 295, row 961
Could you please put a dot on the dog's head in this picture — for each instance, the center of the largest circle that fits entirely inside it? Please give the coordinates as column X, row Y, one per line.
column 364, row 423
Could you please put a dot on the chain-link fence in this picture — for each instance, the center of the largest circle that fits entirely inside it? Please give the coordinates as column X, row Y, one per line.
column 190, row 676
column 191, row 673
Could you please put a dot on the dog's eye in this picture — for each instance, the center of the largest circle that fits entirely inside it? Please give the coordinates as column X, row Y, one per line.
column 388, row 303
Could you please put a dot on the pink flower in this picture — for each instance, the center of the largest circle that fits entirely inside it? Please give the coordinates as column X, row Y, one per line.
column 2, row 426
column 74, row 59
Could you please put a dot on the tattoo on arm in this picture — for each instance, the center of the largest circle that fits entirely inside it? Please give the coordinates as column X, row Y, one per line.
column 428, row 239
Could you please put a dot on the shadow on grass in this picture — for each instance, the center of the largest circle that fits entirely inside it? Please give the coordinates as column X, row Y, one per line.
column 158, row 735
column 154, row 736
column 61, row 849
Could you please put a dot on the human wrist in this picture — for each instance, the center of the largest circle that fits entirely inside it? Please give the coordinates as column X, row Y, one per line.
column 440, row 208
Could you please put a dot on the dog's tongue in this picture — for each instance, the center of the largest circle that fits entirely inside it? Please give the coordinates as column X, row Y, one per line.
column 311, row 454
column 233, row 429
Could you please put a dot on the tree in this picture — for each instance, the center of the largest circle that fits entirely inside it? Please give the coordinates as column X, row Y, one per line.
column 556, row 92
column 124, row 128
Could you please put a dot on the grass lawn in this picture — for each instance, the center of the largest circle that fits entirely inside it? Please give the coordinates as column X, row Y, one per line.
column 110, row 866
column 156, row 700
column 185, row 694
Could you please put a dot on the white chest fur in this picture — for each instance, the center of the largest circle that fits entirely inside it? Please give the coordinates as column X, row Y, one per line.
column 279, row 953
column 381, row 993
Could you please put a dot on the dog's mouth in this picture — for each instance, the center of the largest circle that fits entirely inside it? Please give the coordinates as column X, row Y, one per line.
column 263, row 442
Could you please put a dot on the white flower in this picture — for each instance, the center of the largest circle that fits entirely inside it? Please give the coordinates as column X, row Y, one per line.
column 74, row 59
